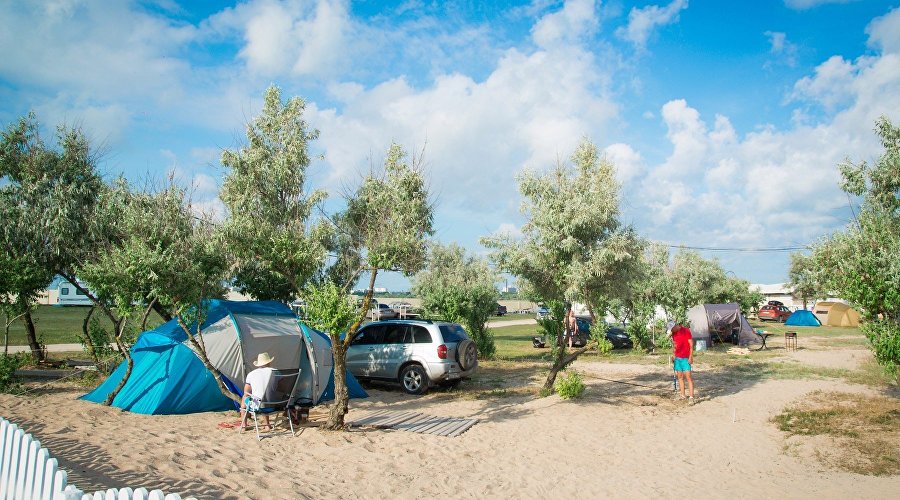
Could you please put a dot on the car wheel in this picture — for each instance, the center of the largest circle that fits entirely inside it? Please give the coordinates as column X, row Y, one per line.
column 414, row 379
column 466, row 354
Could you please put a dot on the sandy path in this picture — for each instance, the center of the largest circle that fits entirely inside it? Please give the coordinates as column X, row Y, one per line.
column 619, row 441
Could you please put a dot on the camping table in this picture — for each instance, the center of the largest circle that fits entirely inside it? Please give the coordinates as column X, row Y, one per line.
column 764, row 336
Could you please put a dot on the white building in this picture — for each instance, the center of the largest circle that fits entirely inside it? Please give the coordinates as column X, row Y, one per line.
column 69, row 295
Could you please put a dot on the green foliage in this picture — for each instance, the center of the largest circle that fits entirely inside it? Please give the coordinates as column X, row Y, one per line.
column 573, row 246
column 570, row 385
column 9, row 382
column 275, row 247
column 390, row 217
column 862, row 263
column 459, row 288
column 328, row 308
column 687, row 279
column 884, row 338
column 803, row 279
column 640, row 336
column 101, row 338
column 604, row 346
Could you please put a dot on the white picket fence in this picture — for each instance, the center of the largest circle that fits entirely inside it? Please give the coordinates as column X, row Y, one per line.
column 28, row 472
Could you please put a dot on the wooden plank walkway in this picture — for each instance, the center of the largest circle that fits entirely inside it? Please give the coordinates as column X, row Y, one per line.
column 415, row 422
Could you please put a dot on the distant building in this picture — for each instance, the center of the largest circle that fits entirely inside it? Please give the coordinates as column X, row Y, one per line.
column 379, row 289
column 510, row 290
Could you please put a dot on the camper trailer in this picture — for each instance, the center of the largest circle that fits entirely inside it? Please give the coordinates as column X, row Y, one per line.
column 69, row 295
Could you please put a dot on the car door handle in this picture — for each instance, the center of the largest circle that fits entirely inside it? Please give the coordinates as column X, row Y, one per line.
column 371, row 348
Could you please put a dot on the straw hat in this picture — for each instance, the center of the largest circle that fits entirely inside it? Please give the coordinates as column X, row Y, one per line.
column 263, row 359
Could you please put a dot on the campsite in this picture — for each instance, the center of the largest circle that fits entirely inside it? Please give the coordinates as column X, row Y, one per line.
column 624, row 422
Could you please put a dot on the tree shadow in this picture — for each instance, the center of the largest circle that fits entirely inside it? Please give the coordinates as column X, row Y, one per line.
column 91, row 469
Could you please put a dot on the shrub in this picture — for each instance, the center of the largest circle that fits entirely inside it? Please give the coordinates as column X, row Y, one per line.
column 570, row 386
column 884, row 337
column 640, row 336
column 598, row 337
column 9, row 382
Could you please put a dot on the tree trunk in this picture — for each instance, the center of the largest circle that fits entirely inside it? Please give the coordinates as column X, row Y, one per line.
column 88, row 341
column 563, row 357
column 163, row 313
column 36, row 350
column 341, row 394
column 339, row 351
column 201, row 351
column 151, row 307
column 119, row 328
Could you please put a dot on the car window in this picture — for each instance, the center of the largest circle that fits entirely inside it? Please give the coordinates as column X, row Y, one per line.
column 453, row 333
column 583, row 326
column 370, row 335
column 396, row 334
column 421, row 335
column 784, row 309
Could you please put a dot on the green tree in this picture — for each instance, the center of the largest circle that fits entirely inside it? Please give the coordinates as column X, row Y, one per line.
column 48, row 200
column 862, row 263
column 459, row 288
column 154, row 252
column 802, row 277
column 21, row 281
column 385, row 226
column 573, row 247
column 275, row 247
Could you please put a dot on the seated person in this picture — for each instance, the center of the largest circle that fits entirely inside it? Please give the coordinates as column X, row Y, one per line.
column 256, row 384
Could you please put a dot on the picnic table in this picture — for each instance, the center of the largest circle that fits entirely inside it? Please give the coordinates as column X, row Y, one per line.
column 764, row 336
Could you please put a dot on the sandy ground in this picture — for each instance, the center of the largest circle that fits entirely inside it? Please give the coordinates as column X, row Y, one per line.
column 621, row 440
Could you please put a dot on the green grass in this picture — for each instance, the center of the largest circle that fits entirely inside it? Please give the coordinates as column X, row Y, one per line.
column 867, row 429
column 62, row 325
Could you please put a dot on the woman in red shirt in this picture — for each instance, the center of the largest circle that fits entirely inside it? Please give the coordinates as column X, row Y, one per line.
column 684, row 357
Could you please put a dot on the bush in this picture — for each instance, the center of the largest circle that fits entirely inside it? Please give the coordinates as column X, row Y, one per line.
column 640, row 336
column 9, row 382
column 484, row 340
column 884, row 337
column 598, row 337
column 570, row 386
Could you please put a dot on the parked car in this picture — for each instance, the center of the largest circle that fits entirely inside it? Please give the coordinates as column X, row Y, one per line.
column 501, row 310
column 379, row 311
column 770, row 312
column 614, row 334
column 542, row 312
column 415, row 353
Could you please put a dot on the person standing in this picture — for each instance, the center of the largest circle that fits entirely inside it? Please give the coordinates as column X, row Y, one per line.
column 683, row 341
column 571, row 324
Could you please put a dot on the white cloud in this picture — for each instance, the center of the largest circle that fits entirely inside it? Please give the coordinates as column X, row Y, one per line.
column 508, row 229
column 628, row 162
column 576, row 19
column 884, row 32
column 810, row 4
column 781, row 47
column 642, row 21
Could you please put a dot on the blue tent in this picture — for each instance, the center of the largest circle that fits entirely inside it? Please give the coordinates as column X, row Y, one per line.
column 802, row 317
column 168, row 378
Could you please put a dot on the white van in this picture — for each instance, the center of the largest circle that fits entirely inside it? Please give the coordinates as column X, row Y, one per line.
column 69, row 295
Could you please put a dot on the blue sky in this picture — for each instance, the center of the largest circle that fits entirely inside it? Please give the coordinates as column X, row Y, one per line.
column 726, row 121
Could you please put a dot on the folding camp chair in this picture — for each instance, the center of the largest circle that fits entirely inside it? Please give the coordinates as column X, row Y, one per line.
column 274, row 401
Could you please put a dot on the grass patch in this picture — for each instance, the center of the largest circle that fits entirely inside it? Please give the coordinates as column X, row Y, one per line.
column 866, row 429
column 62, row 324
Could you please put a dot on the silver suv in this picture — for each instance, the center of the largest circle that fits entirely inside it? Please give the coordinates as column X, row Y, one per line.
column 416, row 353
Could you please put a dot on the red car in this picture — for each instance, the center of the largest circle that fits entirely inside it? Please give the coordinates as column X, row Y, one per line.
column 770, row 312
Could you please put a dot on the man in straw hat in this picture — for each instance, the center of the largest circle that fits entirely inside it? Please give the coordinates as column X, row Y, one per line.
column 257, row 381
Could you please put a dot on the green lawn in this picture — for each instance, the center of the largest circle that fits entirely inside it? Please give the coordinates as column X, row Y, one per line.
column 62, row 325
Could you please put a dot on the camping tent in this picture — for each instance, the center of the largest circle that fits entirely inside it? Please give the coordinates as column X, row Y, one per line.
column 836, row 314
column 169, row 378
column 802, row 317
column 724, row 318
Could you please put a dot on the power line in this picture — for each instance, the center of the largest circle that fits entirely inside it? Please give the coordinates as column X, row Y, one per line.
column 735, row 249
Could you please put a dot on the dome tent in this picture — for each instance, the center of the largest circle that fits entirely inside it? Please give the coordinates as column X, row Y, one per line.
column 169, row 378
column 724, row 318
column 802, row 317
column 836, row 314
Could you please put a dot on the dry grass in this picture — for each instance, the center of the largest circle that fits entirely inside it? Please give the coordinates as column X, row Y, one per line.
column 863, row 431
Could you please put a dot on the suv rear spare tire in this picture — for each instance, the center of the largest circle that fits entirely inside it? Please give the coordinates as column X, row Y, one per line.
column 466, row 354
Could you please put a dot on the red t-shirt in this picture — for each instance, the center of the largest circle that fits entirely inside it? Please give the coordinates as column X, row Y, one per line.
column 682, row 340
